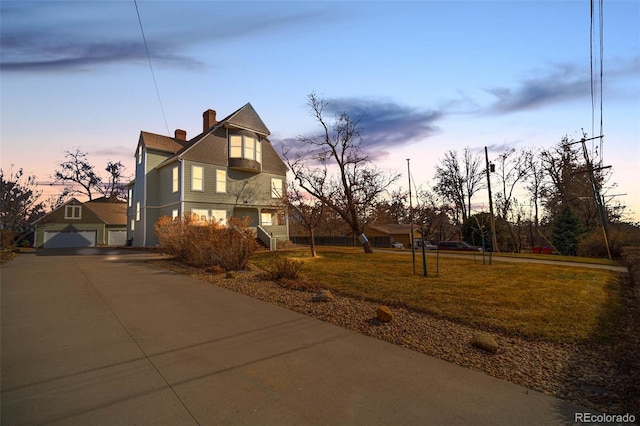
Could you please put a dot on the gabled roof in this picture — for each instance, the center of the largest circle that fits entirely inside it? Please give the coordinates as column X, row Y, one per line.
column 72, row 201
column 112, row 213
column 162, row 143
column 244, row 117
column 247, row 118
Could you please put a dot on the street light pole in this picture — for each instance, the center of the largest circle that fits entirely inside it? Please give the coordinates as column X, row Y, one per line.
column 494, row 240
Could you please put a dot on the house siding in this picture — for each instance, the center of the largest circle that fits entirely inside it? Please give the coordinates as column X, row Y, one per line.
column 153, row 181
column 247, row 192
column 165, row 180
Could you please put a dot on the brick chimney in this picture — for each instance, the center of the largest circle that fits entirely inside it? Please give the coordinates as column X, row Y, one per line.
column 208, row 119
column 180, row 134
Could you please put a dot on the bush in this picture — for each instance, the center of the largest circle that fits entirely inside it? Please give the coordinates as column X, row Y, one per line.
column 208, row 244
column 7, row 239
column 620, row 235
column 284, row 268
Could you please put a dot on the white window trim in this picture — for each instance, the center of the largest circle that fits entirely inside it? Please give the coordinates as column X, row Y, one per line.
column 220, row 216
column 218, row 181
column 133, row 225
column 175, row 213
column 256, row 149
column 175, row 179
column 130, row 197
column 231, row 148
column 138, row 211
column 276, row 190
column 73, row 209
column 199, row 213
column 193, row 178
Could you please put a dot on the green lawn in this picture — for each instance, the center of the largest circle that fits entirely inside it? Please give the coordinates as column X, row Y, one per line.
column 556, row 303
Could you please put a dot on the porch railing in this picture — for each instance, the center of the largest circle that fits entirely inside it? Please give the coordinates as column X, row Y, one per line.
column 266, row 238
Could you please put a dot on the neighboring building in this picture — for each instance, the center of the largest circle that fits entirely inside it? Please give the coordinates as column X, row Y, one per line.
column 230, row 169
column 400, row 233
column 77, row 224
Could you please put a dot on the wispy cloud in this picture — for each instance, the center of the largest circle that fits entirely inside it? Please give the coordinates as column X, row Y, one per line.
column 384, row 125
column 33, row 42
column 39, row 51
column 560, row 83
column 564, row 82
column 387, row 125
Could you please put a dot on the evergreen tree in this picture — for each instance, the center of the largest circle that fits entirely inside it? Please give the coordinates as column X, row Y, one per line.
column 566, row 231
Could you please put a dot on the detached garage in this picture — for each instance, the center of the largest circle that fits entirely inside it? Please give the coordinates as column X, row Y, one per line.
column 77, row 224
column 67, row 239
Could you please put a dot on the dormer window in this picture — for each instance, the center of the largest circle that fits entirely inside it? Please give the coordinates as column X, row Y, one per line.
column 245, row 147
column 73, row 212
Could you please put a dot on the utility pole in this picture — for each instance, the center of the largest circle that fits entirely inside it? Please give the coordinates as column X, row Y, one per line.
column 595, row 187
column 413, row 249
column 494, row 240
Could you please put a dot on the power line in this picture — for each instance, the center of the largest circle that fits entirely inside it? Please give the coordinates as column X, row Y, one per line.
column 592, row 62
column 155, row 83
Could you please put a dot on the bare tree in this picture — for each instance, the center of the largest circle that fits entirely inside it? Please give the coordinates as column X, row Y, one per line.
column 433, row 215
column 450, row 184
column 114, row 188
column 512, row 168
column 357, row 184
column 76, row 170
column 457, row 183
column 535, row 180
column 19, row 205
column 473, row 177
column 307, row 212
column 394, row 210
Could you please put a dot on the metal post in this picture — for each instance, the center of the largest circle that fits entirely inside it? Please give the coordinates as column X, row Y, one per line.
column 413, row 249
column 424, row 255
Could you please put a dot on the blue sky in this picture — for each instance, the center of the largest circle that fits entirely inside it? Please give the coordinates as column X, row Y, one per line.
column 426, row 76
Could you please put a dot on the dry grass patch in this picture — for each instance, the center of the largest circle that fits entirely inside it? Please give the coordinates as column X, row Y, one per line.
column 556, row 303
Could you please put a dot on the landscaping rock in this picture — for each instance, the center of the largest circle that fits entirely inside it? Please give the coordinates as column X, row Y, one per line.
column 322, row 296
column 384, row 314
column 486, row 342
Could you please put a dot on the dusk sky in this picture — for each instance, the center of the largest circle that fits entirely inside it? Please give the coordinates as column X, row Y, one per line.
column 425, row 76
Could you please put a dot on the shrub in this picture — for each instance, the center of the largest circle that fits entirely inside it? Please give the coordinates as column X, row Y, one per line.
column 7, row 245
column 620, row 235
column 284, row 268
column 208, row 244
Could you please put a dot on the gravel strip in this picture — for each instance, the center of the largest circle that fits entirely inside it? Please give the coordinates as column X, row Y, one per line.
column 604, row 377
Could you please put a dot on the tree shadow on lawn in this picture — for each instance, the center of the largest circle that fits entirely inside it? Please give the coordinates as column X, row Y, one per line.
column 604, row 371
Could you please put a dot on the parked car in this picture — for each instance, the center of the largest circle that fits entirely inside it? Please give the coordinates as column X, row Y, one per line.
column 397, row 244
column 457, row 245
column 428, row 245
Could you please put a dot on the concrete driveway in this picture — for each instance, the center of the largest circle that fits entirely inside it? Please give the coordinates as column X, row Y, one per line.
column 102, row 337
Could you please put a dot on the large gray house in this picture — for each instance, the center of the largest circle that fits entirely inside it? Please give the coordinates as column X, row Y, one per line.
column 230, row 169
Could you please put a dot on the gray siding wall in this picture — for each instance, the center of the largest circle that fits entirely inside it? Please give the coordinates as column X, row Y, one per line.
column 165, row 180
column 153, row 214
column 154, row 188
column 243, row 188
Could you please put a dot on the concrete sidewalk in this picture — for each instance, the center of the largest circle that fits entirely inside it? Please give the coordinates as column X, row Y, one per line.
column 109, row 339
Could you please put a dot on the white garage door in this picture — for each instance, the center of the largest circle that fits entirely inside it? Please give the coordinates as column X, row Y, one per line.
column 116, row 238
column 66, row 239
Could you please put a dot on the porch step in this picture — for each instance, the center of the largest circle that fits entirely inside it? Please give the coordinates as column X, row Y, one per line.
column 261, row 244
